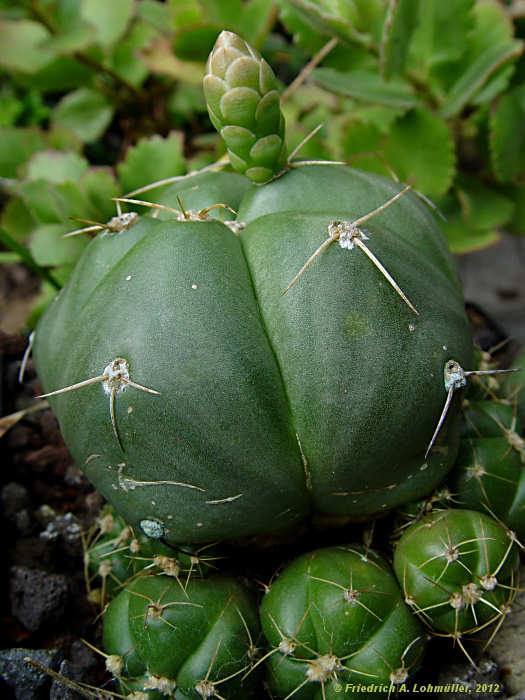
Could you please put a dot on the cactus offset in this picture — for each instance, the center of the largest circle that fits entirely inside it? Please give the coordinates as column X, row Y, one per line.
column 458, row 571
column 337, row 616
column 195, row 641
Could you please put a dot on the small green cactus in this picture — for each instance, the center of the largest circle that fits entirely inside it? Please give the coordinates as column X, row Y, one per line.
column 244, row 106
column 192, row 641
column 458, row 571
column 115, row 555
column 489, row 477
column 334, row 619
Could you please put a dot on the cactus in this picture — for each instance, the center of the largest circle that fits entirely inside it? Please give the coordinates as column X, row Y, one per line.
column 196, row 641
column 458, row 571
column 243, row 104
column 334, row 619
column 115, row 555
column 489, row 477
column 206, row 403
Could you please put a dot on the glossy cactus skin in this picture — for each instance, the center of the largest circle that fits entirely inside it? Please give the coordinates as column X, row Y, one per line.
column 271, row 406
column 243, row 104
column 489, row 477
column 458, row 570
column 489, row 474
column 181, row 642
column 335, row 618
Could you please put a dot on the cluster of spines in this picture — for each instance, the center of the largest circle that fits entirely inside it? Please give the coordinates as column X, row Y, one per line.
column 115, row 555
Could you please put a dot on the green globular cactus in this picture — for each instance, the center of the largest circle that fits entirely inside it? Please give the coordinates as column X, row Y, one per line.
column 115, row 555
column 336, row 623
column 458, row 571
column 514, row 386
column 194, row 641
column 244, row 106
column 489, row 476
column 227, row 378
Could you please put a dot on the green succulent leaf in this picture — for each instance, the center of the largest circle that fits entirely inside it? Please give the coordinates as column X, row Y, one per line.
column 400, row 22
column 20, row 46
column 476, row 76
column 56, row 166
column 16, row 146
column 440, row 36
column 152, row 159
column 368, row 86
column 483, row 207
column 49, row 249
column 86, row 112
column 461, row 235
column 78, row 37
column 490, row 47
column 26, row 257
column 517, row 224
column 352, row 22
column 109, row 19
column 420, row 150
column 17, row 220
column 507, row 137
column 100, row 186
column 125, row 58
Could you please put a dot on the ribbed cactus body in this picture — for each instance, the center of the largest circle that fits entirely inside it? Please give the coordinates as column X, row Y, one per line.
column 268, row 406
column 334, row 619
column 458, row 570
column 244, row 106
column 193, row 641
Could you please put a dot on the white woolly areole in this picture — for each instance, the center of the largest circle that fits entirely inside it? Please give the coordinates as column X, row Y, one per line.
column 287, row 646
column 454, row 375
column 346, row 232
column 121, row 222
column 114, row 664
column 471, row 593
column 323, row 668
column 117, row 373
column 488, row 582
column 166, row 686
column 192, row 215
column 398, row 676
column 168, row 565
column 235, row 226
column 206, row 689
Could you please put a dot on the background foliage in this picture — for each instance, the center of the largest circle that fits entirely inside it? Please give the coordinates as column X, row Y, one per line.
column 98, row 99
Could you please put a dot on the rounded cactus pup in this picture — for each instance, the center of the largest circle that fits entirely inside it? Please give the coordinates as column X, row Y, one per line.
column 458, row 571
column 115, row 555
column 205, row 403
column 489, row 477
column 334, row 619
column 493, row 419
column 193, row 641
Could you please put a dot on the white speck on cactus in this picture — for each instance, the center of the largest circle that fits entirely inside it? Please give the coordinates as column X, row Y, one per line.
column 153, row 528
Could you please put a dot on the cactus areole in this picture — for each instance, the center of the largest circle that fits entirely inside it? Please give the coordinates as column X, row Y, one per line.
column 207, row 404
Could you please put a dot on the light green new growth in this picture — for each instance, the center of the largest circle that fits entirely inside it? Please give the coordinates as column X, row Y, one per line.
column 244, row 106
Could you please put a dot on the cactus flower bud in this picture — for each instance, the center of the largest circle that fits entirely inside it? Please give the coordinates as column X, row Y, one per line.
column 243, row 103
